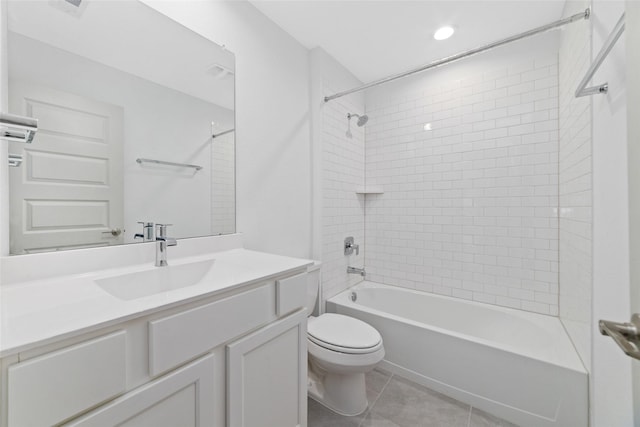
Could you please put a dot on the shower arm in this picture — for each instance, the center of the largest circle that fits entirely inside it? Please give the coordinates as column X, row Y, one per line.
column 466, row 54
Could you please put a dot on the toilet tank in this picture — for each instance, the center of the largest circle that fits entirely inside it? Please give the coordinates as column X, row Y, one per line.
column 313, row 289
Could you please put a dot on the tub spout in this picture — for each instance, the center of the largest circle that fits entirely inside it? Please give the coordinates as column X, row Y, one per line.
column 354, row 270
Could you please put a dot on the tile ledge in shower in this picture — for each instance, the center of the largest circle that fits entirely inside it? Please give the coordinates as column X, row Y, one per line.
column 370, row 190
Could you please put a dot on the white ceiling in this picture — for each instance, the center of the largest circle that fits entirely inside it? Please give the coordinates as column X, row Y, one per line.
column 377, row 38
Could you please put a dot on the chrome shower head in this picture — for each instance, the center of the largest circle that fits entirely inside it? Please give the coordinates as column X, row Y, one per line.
column 362, row 120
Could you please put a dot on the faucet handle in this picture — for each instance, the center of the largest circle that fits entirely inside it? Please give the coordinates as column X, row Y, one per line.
column 147, row 232
column 350, row 246
column 161, row 229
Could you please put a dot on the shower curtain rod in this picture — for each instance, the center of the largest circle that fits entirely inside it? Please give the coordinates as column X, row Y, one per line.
column 462, row 55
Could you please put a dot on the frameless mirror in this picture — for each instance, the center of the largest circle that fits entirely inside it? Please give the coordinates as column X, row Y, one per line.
column 136, row 124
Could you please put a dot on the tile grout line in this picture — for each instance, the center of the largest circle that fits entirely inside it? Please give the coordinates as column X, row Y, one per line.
column 368, row 411
column 469, row 419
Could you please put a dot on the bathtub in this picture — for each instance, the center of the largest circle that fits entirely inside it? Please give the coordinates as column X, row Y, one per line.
column 517, row 365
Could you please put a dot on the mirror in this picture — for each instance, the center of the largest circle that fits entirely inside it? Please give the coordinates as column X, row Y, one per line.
column 136, row 124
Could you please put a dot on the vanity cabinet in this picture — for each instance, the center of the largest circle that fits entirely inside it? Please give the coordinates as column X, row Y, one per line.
column 237, row 359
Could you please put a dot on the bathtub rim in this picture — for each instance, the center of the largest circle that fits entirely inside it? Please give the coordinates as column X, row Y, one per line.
column 569, row 361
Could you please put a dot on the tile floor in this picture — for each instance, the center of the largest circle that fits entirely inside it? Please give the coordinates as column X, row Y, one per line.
column 397, row 402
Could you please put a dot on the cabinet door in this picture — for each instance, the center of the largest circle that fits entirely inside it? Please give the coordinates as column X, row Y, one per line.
column 267, row 376
column 182, row 398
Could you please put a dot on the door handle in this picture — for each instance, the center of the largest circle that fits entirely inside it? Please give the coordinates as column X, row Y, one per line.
column 626, row 335
column 115, row 232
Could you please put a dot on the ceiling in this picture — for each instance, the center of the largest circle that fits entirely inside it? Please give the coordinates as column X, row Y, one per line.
column 377, row 38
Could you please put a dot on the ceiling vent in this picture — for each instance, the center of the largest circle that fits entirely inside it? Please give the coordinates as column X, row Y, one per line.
column 220, row 72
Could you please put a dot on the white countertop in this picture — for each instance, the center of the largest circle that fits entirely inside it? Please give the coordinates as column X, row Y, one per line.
column 37, row 312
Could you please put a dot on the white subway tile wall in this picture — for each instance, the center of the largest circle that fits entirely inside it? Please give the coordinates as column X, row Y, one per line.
column 575, row 185
column 223, row 202
column 469, row 207
column 343, row 211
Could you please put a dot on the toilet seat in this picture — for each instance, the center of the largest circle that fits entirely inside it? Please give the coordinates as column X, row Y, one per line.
column 343, row 334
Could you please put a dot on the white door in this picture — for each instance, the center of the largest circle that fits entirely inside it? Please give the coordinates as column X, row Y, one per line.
column 632, row 28
column 68, row 192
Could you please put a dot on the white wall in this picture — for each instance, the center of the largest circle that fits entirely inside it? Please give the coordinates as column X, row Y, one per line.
column 339, row 170
column 575, row 224
column 272, row 121
column 469, row 208
column 611, row 370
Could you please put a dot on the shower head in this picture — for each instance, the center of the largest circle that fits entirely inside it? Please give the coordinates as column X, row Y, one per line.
column 362, row 120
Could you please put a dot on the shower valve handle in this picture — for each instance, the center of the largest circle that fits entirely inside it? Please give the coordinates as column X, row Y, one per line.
column 350, row 246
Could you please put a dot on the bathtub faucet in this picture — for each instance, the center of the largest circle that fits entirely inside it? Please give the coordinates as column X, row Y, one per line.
column 353, row 270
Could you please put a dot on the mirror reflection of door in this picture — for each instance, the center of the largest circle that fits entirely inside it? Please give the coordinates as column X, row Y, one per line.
column 68, row 192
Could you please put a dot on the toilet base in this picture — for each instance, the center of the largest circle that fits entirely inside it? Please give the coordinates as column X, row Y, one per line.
column 344, row 394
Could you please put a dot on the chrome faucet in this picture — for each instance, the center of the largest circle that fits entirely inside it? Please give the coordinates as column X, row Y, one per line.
column 354, row 270
column 162, row 241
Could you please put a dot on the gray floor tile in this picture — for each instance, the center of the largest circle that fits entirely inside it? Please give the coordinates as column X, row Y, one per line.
column 376, row 380
column 373, row 420
column 396, row 402
column 320, row 416
column 410, row 405
column 482, row 419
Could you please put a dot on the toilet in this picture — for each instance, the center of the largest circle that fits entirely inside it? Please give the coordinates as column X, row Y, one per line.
column 341, row 349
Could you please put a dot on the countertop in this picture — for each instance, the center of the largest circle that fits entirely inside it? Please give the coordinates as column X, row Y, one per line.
column 38, row 312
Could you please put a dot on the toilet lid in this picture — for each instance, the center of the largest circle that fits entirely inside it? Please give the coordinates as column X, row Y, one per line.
column 336, row 331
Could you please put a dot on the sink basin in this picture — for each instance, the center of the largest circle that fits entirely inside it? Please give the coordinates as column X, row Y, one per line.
column 156, row 280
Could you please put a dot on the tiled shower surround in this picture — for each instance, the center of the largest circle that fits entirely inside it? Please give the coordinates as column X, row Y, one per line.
column 469, row 207
column 342, row 212
column 576, row 239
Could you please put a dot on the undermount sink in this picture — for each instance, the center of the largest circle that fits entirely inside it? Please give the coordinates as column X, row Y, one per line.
column 156, row 280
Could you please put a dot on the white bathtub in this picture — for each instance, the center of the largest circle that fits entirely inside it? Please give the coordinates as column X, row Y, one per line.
column 516, row 365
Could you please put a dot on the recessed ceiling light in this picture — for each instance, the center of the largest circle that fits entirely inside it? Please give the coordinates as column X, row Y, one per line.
column 427, row 126
column 443, row 33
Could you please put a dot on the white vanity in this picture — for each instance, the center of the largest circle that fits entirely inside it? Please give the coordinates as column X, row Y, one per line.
column 216, row 339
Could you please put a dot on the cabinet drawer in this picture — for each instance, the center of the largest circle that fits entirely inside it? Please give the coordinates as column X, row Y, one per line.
column 51, row 388
column 178, row 338
column 291, row 294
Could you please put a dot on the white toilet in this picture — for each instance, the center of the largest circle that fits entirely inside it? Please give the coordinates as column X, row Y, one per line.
column 341, row 350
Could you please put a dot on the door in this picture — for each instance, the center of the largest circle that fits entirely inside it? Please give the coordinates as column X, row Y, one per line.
column 632, row 28
column 267, row 375
column 68, row 192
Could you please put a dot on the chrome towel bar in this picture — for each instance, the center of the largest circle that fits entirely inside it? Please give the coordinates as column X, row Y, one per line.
column 582, row 89
column 162, row 162
column 17, row 128
column 213, row 136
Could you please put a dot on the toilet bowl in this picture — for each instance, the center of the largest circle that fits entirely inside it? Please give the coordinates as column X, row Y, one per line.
column 341, row 349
